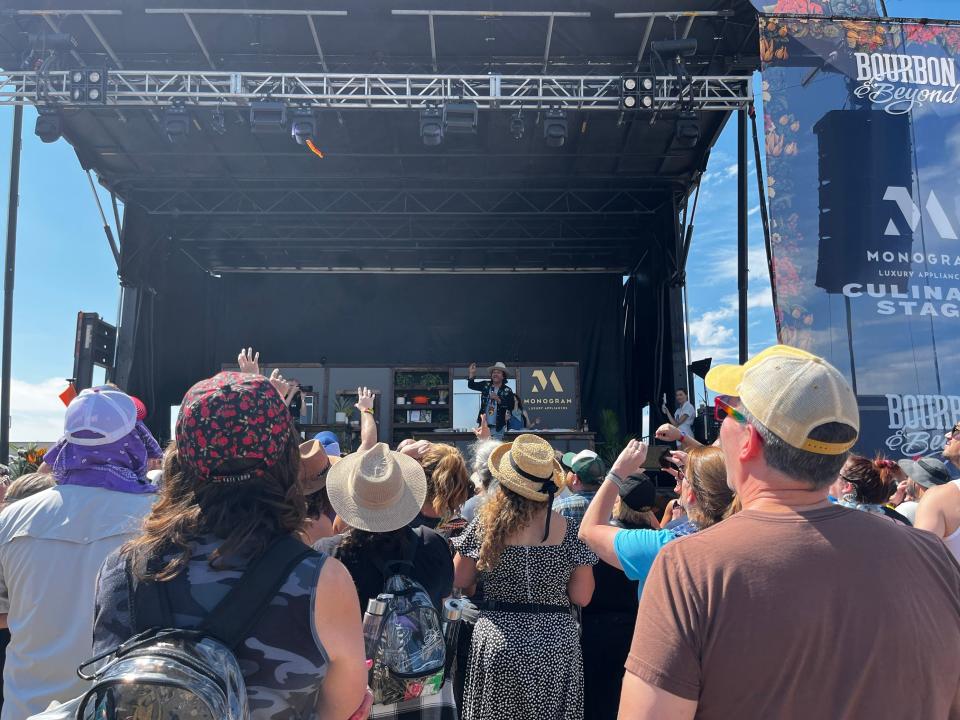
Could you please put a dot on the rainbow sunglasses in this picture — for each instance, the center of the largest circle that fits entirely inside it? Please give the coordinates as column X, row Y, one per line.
column 722, row 409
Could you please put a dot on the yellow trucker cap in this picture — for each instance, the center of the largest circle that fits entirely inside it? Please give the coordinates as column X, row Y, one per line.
column 791, row 392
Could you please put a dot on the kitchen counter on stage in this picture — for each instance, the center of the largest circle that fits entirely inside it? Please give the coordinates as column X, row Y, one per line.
column 562, row 440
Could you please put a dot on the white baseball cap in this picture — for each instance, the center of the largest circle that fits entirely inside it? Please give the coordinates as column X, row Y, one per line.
column 99, row 417
column 791, row 392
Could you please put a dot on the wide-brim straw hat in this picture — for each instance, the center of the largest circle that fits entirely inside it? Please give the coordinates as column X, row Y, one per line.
column 378, row 490
column 313, row 461
column 525, row 466
column 499, row 366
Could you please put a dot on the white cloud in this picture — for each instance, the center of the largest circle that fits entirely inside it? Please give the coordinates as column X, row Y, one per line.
column 713, row 334
column 723, row 264
column 754, row 210
column 36, row 411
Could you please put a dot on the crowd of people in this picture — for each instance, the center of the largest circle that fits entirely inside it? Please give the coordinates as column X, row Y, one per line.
column 789, row 578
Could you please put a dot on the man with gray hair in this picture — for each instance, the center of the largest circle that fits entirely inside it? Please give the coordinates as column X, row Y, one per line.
column 778, row 611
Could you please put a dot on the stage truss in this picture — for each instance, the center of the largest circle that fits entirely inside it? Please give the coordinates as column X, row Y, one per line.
column 373, row 91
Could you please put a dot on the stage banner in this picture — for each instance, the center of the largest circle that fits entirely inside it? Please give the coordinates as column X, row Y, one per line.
column 550, row 396
column 862, row 125
column 842, row 8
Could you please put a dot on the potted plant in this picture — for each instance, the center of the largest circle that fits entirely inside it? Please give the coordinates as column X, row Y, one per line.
column 343, row 407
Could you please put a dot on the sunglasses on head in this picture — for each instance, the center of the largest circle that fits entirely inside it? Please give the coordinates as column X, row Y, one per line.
column 723, row 409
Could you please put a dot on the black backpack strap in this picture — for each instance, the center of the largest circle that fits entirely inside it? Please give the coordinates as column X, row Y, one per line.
column 235, row 616
column 149, row 602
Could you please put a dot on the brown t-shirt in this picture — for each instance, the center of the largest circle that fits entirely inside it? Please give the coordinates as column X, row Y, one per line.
column 831, row 613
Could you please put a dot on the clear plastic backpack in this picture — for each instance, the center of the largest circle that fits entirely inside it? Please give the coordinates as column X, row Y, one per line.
column 410, row 653
column 170, row 673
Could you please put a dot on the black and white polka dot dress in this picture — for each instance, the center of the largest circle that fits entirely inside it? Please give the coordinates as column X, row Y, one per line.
column 526, row 665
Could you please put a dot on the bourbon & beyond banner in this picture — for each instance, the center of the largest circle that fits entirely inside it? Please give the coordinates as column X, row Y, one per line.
column 862, row 123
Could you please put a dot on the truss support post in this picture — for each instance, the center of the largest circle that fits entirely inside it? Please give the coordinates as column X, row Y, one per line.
column 9, row 271
column 742, row 234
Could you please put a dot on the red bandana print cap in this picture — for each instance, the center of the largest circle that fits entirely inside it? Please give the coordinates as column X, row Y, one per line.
column 232, row 416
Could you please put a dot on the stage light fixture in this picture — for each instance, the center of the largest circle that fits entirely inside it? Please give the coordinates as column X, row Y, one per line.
column 218, row 122
column 687, row 131
column 682, row 47
column 517, row 127
column 268, row 116
column 88, row 86
column 48, row 127
column 431, row 125
column 555, row 127
column 636, row 92
column 303, row 125
column 460, row 117
column 176, row 121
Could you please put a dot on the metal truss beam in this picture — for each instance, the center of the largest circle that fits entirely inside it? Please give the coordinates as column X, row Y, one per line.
column 377, row 91
column 435, row 203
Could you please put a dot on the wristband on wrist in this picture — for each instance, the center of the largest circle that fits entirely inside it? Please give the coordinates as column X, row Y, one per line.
column 615, row 479
column 368, row 410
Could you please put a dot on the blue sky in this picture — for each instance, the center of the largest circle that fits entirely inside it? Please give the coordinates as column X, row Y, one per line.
column 64, row 264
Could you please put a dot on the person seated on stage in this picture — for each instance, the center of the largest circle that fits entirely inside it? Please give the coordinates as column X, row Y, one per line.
column 497, row 400
column 682, row 418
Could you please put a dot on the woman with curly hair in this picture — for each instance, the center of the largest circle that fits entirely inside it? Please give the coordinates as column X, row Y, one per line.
column 525, row 658
column 448, row 485
column 231, row 495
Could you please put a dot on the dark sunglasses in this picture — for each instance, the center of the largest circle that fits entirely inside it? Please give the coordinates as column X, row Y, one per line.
column 723, row 409
column 955, row 431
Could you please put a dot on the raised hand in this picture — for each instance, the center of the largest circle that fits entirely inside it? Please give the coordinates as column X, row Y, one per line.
column 279, row 383
column 248, row 361
column 630, row 460
column 413, row 448
column 364, row 399
column 472, row 370
column 668, row 432
column 483, row 431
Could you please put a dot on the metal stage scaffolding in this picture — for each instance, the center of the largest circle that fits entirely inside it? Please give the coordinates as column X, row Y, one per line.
column 226, row 229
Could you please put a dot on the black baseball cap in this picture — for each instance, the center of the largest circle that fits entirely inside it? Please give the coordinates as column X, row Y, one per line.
column 638, row 493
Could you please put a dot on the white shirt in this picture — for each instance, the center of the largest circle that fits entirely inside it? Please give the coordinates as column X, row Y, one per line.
column 909, row 510
column 686, row 427
column 51, row 547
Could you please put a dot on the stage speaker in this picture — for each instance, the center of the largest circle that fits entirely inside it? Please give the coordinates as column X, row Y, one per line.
column 862, row 155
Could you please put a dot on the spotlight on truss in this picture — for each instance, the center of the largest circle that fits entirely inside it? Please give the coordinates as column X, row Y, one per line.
column 517, row 127
column 176, row 121
column 555, row 127
column 431, row 125
column 460, row 117
column 303, row 125
column 687, row 131
column 268, row 116
column 48, row 127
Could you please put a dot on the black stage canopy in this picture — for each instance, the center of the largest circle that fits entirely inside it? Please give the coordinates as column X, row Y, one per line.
column 519, row 233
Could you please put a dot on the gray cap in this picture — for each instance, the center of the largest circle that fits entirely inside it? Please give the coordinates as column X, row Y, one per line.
column 926, row 471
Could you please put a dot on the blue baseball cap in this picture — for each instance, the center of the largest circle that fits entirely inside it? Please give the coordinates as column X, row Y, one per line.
column 329, row 441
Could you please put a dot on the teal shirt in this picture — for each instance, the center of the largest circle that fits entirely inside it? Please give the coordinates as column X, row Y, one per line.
column 637, row 549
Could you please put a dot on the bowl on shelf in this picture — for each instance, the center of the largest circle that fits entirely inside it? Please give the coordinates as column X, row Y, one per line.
column 421, row 400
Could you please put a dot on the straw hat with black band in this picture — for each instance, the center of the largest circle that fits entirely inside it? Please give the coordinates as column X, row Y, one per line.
column 528, row 467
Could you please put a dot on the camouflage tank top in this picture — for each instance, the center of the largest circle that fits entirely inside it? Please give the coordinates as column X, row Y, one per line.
column 283, row 661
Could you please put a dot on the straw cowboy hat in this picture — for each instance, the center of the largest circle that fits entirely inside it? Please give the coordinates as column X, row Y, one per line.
column 499, row 366
column 528, row 467
column 314, row 466
column 378, row 490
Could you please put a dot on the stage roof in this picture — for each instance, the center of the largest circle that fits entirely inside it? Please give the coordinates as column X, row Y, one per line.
column 233, row 200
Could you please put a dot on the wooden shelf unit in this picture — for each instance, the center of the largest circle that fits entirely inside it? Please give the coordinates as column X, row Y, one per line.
column 428, row 382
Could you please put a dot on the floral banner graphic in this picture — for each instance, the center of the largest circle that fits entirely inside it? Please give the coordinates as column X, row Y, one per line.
column 862, row 126
column 840, row 8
